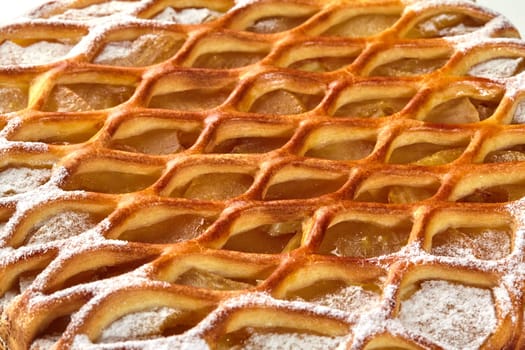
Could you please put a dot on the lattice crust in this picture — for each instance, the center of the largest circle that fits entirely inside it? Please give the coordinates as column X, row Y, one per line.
column 277, row 173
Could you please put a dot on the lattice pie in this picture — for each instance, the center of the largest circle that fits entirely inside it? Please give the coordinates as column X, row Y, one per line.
column 269, row 174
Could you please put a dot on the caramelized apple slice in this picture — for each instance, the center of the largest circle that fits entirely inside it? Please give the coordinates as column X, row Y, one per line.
column 362, row 26
column 282, row 338
column 404, row 194
column 270, row 25
column 364, row 240
column 86, row 97
column 203, row 279
column 322, row 64
column 423, row 153
column 372, row 108
column 160, row 141
column 266, row 239
column 145, row 50
column 305, row 188
column 191, row 100
column 110, row 182
column 12, row 99
column 345, row 150
column 285, row 102
column 172, row 230
column 218, row 186
column 445, row 24
column 409, row 67
column 250, row 145
column 461, row 110
column 441, row 157
column 228, row 60
column 496, row 194
column 482, row 243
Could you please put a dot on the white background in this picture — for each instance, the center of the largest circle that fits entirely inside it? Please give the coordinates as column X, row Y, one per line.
column 513, row 9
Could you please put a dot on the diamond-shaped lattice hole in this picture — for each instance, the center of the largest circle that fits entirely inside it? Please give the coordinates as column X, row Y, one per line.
column 374, row 108
column 86, row 97
column 496, row 194
column 323, row 63
column 108, row 181
column 228, row 60
column 283, row 102
column 267, row 239
column 511, row 154
column 429, row 309
column 445, row 24
column 486, row 243
column 426, row 153
column 18, row 285
column 189, row 15
column 462, row 110
column 144, row 50
column 261, row 338
column 48, row 336
column 191, row 100
column 498, row 68
column 338, row 294
column 151, row 323
column 97, row 10
column 362, row 26
column 168, row 230
column 158, row 141
column 250, row 145
column 209, row 280
column 12, row 98
column 57, row 131
column 410, row 66
column 276, row 24
column 304, row 188
column 342, row 150
column 398, row 193
column 365, row 239
column 33, row 52
column 22, row 178
column 215, row 186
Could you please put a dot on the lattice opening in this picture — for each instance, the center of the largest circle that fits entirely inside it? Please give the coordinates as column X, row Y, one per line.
column 498, row 68
column 284, row 102
column 462, row 110
column 171, row 230
column 445, row 24
column 411, row 66
column 365, row 239
column 228, row 60
column 259, row 338
column 276, row 24
column 18, row 286
column 486, row 243
column 96, row 10
column 34, row 52
column 428, row 311
column 16, row 179
column 47, row 337
column 86, row 97
column 158, row 141
column 145, row 50
column 427, row 153
column 211, row 280
column 304, row 188
column 192, row 100
column 13, row 98
column 250, row 145
column 496, row 194
column 188, row 15
column 342, row 150
column 267, row 239
column 362, row 26
column 373, row 108
column 398, row 193
column 215, row 186
column 58, row 131
column 515, row 153
column 111, row 181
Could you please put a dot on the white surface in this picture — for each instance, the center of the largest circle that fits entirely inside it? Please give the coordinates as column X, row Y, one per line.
column 513, row 9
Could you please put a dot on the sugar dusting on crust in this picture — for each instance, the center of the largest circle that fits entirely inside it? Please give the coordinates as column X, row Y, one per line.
column 20, row 180
column 36, row 54
column 61, row 226
column 187, row 16
column 449, row 314
column 290, row 341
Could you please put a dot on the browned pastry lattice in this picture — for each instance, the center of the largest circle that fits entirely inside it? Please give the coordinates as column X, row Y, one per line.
column 275, row 174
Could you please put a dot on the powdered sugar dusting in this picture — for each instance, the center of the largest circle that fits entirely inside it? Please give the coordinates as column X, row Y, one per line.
column 352, row 299
column 451, row 315
column 138, row 325
column 290, row 341
column 38, row 53
column 19, row 180
column 62, row 226
column 187, row 15
column 497, row 68
column 98, row 10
